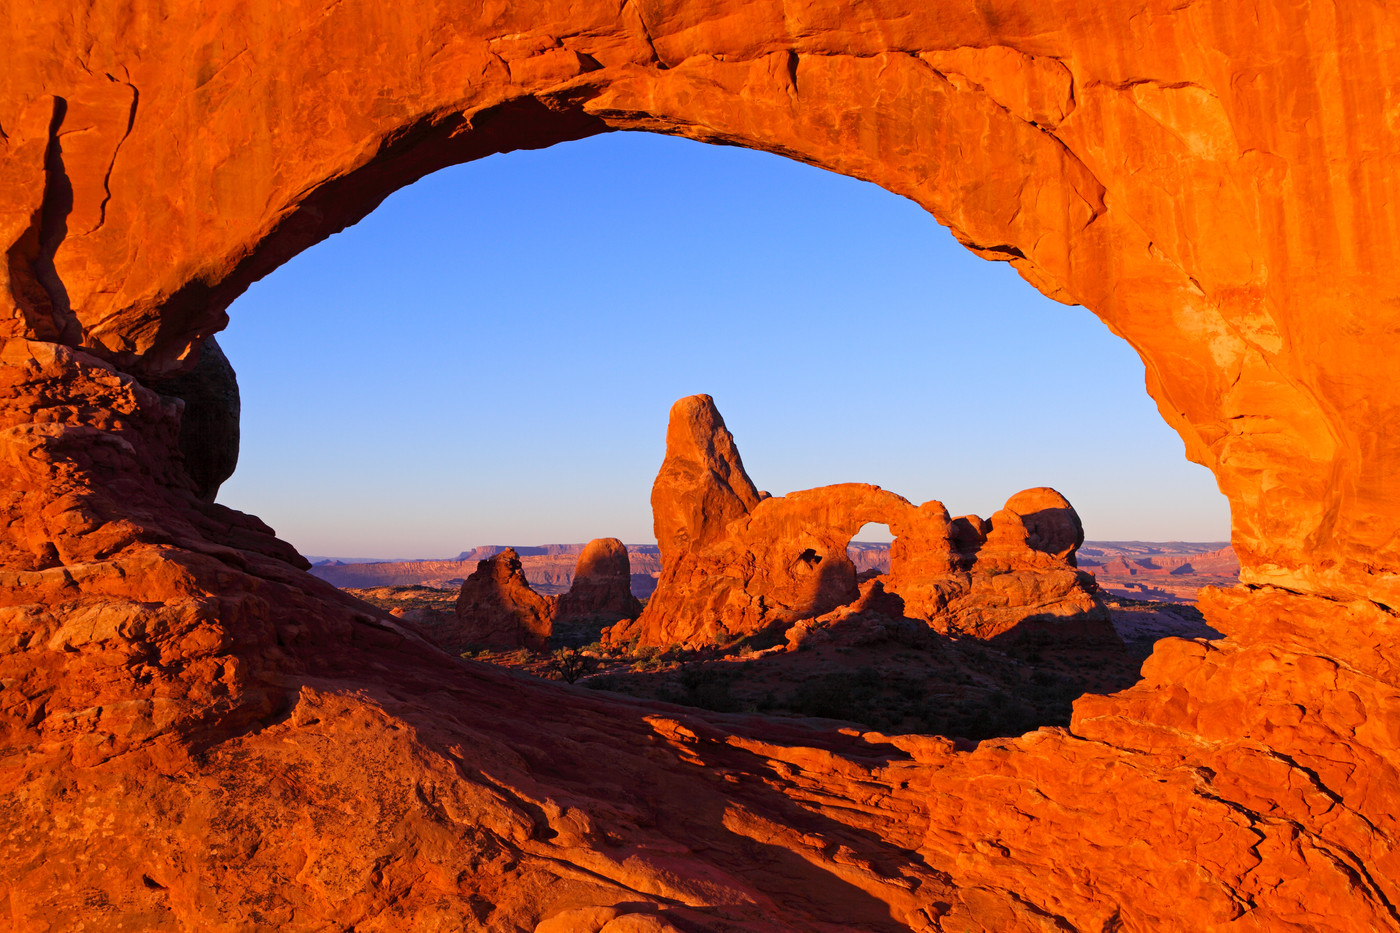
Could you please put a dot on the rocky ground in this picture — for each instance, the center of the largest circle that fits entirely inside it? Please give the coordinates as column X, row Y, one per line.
column 902, row 680
column 1141, row 623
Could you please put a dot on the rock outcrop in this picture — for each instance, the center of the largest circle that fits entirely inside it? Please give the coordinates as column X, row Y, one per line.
column 497, row 609
column 197, row 734
column 1011, row 576
column 209, row 430
column 602, row 585
column 702, row 486
column 750, row 567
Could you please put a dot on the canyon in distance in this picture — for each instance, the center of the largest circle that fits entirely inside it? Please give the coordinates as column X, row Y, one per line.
column 1166, row 571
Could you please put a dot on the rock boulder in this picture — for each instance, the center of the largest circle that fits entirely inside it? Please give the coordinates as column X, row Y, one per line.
column 602, row 585
column 701, row 486
column 497, row 609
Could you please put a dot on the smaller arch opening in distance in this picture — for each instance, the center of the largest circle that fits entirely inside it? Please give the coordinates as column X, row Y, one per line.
column 869, row 549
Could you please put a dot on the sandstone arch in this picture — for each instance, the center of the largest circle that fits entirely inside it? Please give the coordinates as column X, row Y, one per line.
column 738, row 563
column 1210, row 181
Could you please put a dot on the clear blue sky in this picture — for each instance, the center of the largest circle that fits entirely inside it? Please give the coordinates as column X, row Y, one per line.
column 490, row 356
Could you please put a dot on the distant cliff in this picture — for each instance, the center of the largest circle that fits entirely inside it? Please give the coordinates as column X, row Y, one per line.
column 548, row 567
column 1164, row 571
column 1168, row 571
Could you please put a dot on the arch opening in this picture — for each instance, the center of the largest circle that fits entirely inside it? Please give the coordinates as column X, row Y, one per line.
column 869, row 549
column 638, row 336
column 1132, row 161
column 489, row 333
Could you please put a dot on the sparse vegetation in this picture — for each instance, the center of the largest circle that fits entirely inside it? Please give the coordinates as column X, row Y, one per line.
column 914, row 680
column 569, row 664
column 707, row 687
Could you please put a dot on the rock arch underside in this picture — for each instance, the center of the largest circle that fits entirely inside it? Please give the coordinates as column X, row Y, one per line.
column 196, row 734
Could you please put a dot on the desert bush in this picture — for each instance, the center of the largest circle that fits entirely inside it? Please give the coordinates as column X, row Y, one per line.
column 841, row 696
column 569, row 664
column 708, row 688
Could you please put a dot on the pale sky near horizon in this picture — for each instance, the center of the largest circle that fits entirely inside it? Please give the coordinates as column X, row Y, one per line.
column 490, row 356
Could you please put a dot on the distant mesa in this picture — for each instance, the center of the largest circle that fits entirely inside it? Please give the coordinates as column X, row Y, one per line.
column 543, row 550
column 498, row 608
column 548, row 567
column 737, row 563
column 1170, row 572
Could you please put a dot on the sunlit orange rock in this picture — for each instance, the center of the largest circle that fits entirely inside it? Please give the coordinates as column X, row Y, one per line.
column 741, row 570
column 702, row 486
column 497, row 609
column 602, row 585
column 1013, row 575
column 196, row 734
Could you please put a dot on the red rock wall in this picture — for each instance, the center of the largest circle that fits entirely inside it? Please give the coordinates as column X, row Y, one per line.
column 1204, row 181
column 196, row 734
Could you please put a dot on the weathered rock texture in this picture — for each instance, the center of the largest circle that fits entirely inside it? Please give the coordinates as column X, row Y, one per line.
column 497, row 609
column 196, row 734
column 602, row 585
column 732, row 569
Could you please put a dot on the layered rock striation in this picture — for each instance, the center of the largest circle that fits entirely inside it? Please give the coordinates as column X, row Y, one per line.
column 186, row 712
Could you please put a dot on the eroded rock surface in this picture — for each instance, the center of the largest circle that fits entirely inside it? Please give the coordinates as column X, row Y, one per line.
column 784, row 559
column 702, row 486
column 602, row 585
column 186, row 713
column 1013, row 575
column 496, row 607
